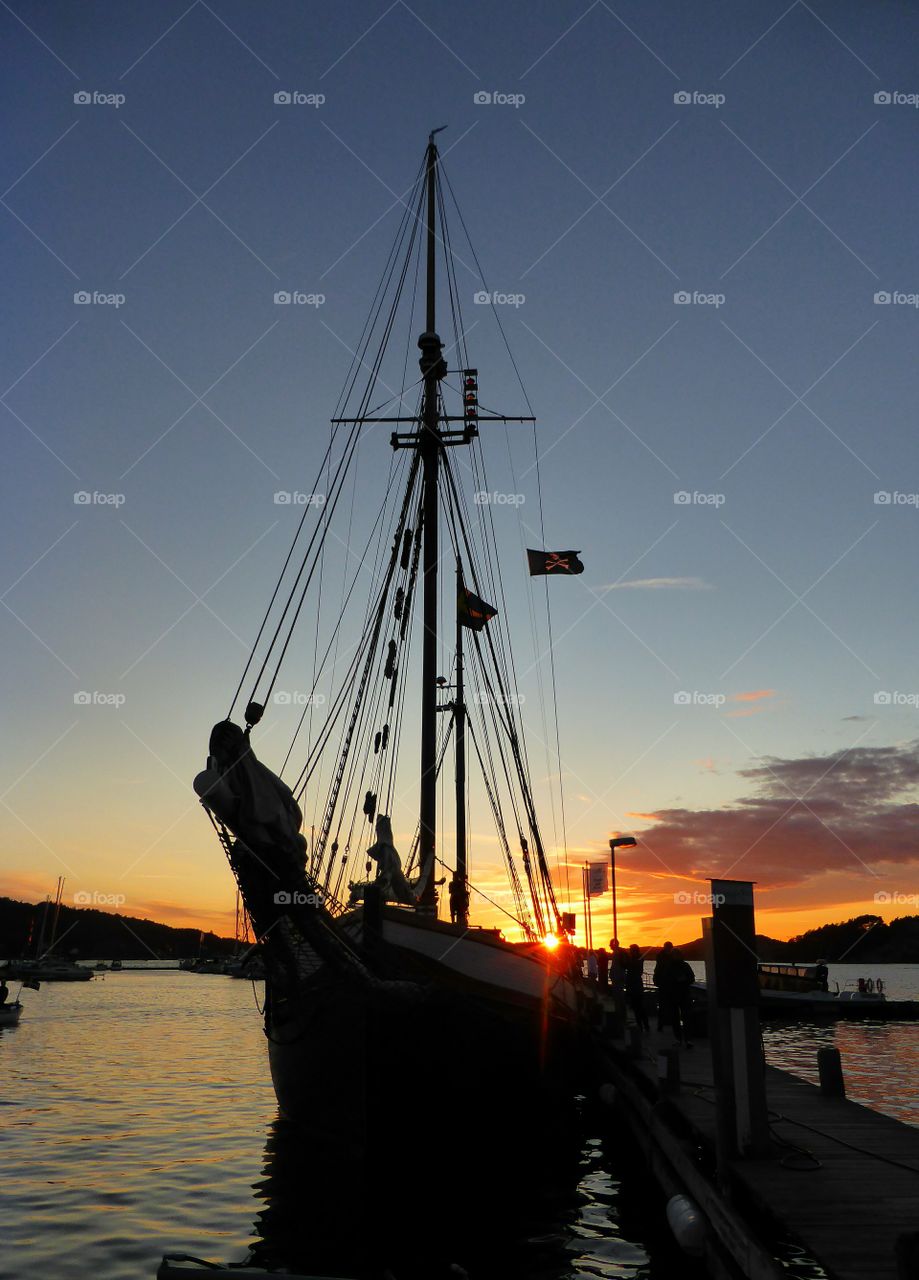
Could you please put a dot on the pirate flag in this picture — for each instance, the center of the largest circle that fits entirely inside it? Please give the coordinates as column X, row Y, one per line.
column 472, row 611
column 553, row 562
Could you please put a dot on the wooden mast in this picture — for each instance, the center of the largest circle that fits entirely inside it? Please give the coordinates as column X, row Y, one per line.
column 433, row 369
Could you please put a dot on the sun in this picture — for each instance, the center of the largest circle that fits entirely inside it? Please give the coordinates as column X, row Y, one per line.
column 550, row 942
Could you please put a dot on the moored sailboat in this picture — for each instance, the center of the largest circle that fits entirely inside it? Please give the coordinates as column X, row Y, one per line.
column 368, row 991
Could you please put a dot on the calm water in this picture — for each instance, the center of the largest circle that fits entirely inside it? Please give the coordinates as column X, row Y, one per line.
column 138, row 1119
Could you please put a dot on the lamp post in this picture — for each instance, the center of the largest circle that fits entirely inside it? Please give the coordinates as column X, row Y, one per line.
column 622, row 842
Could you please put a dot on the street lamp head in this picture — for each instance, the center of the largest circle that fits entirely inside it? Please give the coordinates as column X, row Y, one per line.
column 623, row 842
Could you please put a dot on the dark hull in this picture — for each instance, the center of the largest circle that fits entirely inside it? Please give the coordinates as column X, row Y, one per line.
column 378, row 1059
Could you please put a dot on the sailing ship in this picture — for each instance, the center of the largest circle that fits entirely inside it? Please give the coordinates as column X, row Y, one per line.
column 372, row 993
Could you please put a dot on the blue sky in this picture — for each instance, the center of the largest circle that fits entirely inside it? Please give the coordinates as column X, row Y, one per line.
column 780, row 198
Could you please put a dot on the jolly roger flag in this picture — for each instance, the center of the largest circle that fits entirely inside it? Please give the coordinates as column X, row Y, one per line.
column 553, row 562
column 472, row 611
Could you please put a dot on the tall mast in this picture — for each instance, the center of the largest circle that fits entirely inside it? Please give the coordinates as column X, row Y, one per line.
column 461, row 875
column 433, row 369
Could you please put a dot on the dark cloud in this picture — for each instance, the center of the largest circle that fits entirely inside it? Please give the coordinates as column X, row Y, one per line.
column 849, row 811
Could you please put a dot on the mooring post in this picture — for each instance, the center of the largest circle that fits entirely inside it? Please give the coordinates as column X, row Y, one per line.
column 829, row 1068
column 737, row 1059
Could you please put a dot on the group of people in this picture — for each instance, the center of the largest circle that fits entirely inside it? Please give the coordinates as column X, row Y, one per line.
column 622, row 971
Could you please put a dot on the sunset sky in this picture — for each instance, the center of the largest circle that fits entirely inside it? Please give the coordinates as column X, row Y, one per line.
column 706, row 215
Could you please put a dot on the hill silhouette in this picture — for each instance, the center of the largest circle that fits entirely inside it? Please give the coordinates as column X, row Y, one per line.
column 864, row 939
column 86, row 933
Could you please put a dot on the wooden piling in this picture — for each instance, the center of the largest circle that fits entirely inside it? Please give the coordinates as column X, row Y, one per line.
column 829, row 1068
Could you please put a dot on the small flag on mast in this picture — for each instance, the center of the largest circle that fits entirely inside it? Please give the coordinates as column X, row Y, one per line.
column 597, row 880
column 553, row 562
column 472, row 611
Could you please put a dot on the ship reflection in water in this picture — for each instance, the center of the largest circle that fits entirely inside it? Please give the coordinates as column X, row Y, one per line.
column 492, row 1207
column 510, row 1206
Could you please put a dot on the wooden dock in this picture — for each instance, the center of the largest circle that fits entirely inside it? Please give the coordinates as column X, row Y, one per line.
column 841, row 1180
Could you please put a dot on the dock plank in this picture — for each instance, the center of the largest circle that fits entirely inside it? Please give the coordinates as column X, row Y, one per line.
column 848, row 1212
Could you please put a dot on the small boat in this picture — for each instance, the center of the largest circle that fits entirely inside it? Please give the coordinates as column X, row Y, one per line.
column 795, row 990
column 785, row 988
column 10, row 1014
column 48, row 969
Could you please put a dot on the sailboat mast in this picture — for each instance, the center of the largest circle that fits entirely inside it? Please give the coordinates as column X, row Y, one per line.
column 433, row 369
column 461, row 875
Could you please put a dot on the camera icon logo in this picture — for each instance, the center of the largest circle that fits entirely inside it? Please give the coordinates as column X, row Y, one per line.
column 282, row 498
column 882, row 698
column 882, row 98
column 883, row 895
column 82, row 498
column 282, row 898
column 282, row 98
column 282, row 698
column 82, row 298
column 681, row 98
column 82, row 898
column 82, row 97
column 882, row 498
column 682, row 498
column 482, row 98
column 682, row 899
column 682, row 298
column 482, row 298
column 882, row 298
column 682, row 699
column 82, row 699
column 282, row 298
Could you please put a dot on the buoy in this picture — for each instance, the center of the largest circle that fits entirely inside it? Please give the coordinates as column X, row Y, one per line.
column 687, row 1224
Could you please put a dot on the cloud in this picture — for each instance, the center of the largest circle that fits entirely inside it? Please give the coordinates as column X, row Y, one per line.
column 659, row 584
column 755, row 695
column 804, row 817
